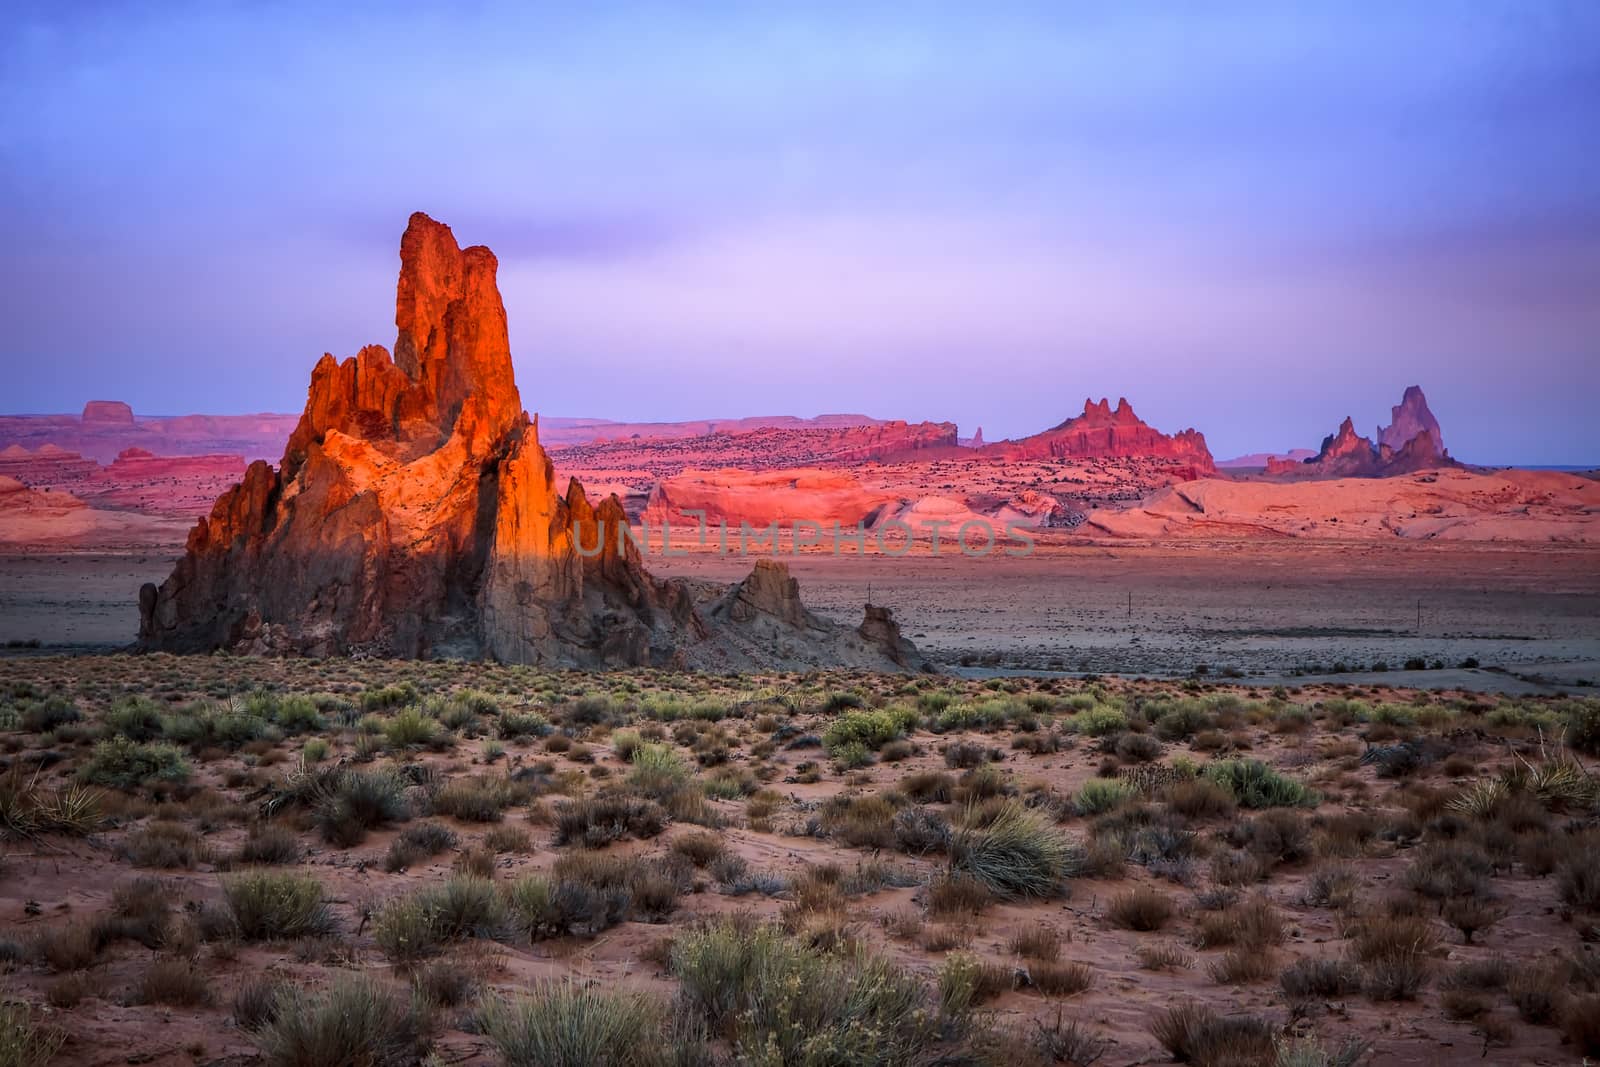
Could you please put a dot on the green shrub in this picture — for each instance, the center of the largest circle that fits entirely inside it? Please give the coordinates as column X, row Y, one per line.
column 359, row 800
column 136, row 718
column 780, row 1001
column 564, row 1024
column 870, row 729
column 276, row 905
column 45, row 715
column 298, row 714
column 1100, row 795
column 1099, row 721
column 359, row 1021
column 658, row 771
column 415, row 925
column 410, row 728
column 477, row 799
column 1255, row 785
column 119, row 763
column 1016, row 855
column 516, row 724
column 1582, row 720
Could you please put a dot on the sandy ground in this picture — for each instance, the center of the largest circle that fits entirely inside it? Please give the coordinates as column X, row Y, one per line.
column 1267, row 608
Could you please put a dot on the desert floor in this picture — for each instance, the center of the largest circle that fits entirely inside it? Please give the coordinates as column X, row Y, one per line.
column 1229, row 873
column 1272, row 609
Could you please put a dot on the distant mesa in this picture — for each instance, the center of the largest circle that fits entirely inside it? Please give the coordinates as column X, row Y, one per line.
column 108, row 413
column 415, row 513
column 1411, row 442
column 1103, row 433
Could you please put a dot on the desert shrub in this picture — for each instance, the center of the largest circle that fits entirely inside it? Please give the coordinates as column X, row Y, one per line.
column 28, row 808
column 1484, row 974
column 23, row 1043
column 919, row 831
column 699, row 848
column 1319, row 979
column 965, row 755
column 1578, row 875
column 389, row 696
column 895, row 751
column 1471, row 915
column 1098, row 721
column 1200, row 798
column 595, row 822
column 1016, row 855
column 42, row 716
column 1255, row 785
column 1038, row 943
column 1139, row 909
column 1182, row 721
column 1334, row 887
column 1537, row 989
column 981, row 783
column 928, row 787
column 870, row 729
column 173, row 981
column 268, row 844
column 779, row 1001
column 1137, row 748
column 411, row 728
column 1448, row 869
column 355, row 801
column 1582, row 720
column 1060, row 979
column 1163, row 958
column 165, row 845
column 658, row 771
column 955, row 894
column 1194, row 1033
column 1240, row 966
column 1253, row 924
column 417, row 924
column 964, row 981
column 119, row 763
column 1100, row 795
column 565, row 1024
column 851, row 756
column 357, row 1021
column 67, row 948
column 1277, row 836
column 473, row 799
column 276, row 905
column 136, row 718
column 521, row 724
column 418, row 842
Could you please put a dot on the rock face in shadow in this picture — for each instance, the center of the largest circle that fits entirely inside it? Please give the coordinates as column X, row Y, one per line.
column 414, row 513
column 1103, row 433
column 1412, row 442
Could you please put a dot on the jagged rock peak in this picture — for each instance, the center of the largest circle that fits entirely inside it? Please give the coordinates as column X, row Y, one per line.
column 415, row 514
column 1408, row 419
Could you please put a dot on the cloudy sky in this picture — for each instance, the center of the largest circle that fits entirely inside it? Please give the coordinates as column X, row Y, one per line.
column 1250, row 218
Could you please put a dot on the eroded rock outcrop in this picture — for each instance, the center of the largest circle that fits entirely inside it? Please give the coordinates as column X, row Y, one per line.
column 1412, row 442
column 414, row 513
column 1102, row 432
column 108, row 412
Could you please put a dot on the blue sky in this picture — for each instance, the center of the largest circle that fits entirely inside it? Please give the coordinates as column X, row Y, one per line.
column 1251, row 218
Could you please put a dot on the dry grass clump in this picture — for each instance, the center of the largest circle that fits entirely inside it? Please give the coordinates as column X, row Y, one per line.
column 565, row 1024
column 358, row 1020
column 965, row 981
column 1252, row 924
column 1140, row 909
column 1165, row 957
column 1396, row 953
column 1064, row 979
column 1194, row 1033
column 1319, row 979
column 1039, row 943
column 174, row 981
column 276, row 905
column 23, row 1043
column 595, row 822
column 165, row 845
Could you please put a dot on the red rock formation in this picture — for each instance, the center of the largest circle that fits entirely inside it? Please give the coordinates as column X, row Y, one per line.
column 1409, row 419
column 415, row 513
column 113, row 412
column 1346, row 454
column 1103, row 433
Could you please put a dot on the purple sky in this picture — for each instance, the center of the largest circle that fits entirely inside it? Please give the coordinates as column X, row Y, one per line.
column 1251, row 218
